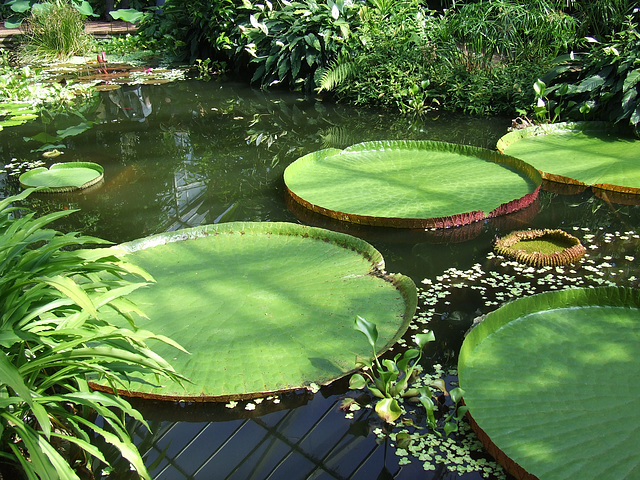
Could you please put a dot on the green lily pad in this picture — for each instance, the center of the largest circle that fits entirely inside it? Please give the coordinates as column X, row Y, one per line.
column 582, row 153
column 63, row 177
column 263, row 307
column 553, row 383
column 411, row 184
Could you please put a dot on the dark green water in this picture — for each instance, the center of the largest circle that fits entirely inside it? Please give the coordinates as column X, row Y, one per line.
column 188, row 153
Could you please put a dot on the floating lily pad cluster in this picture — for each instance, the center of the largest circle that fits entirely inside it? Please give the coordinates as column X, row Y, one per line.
column 540, row 247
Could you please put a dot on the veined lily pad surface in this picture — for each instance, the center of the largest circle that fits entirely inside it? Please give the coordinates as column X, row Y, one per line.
column 411, row 184
column 583, row 153
column 263, row 307
column 63, row 177
column 553, row 381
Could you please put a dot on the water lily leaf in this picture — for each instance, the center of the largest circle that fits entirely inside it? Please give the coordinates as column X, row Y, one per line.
column 263, row 307
column 583, row 153
column 63, row 177
column 547, row 377
column 411, row 184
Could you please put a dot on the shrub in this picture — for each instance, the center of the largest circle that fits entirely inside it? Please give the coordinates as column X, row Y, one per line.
column 601, row 84
column 55, row 302
column 288, row 45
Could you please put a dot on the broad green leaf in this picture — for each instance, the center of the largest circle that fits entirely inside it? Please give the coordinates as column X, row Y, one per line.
column 388, row 409
column 62, row 177
column 422, row 339
column 533, row 374
column 415, row 184
column 587, row 153
column 276, row 302
column 357, row 382
column 130, row 15
column 368, row 328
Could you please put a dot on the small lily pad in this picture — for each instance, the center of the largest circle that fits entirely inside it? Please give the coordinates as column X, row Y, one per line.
column 540, row 247
column 63, row 177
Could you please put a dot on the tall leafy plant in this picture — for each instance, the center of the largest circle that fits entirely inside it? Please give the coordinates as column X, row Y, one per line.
column 603, row 83
column 289, row 43
column 55, row 301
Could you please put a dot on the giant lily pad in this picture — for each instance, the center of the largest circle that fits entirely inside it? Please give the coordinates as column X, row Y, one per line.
column 583, row 153
column 411, row 184
column 553, row 383
column 263, row 307
column 63, row 177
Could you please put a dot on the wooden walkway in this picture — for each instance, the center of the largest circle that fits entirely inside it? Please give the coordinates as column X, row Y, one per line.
column 98, row 29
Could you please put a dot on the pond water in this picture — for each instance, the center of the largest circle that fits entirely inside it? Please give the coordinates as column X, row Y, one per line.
column 187, row 153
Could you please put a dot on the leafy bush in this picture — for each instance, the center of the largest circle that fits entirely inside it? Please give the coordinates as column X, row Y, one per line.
column 290, row 44
column 55, row 301
column 602, row 84
column 194, row 29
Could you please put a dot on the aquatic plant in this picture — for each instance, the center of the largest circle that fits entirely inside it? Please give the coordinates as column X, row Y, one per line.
column 540, row 247
column 389, row 379
column 289, row 325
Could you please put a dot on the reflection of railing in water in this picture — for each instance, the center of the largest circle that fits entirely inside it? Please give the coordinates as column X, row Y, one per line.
column 311, row 441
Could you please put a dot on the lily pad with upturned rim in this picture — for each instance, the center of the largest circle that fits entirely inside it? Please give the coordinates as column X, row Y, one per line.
column 552, row 382
column 540, row 247
column 63, row 177
column 263, row 307
column 583, row 153
column 411, row 184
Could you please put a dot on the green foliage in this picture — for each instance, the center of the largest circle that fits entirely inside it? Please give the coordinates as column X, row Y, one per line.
column 508, row 30
column 390, row 379
column 53, row 294
column 602, row 84
column 21, row 9
column 54, row 30
column 289, row 44
column 194, row 29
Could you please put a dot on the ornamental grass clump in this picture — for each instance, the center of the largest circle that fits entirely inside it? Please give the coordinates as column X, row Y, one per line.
column 54, row 30
column 54, row 337
column 540, row 247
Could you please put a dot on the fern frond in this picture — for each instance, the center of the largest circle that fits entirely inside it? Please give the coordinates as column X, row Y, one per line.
column 338, row 72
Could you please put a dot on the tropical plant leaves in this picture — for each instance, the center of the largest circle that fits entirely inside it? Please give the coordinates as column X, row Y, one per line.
column 414, row 184
column 548, row 377
column 262, row 307
column 585, row 153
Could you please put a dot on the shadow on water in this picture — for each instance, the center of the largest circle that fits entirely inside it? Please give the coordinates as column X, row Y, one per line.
column 188, row 153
